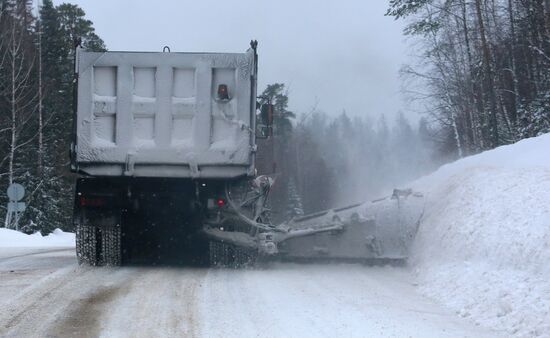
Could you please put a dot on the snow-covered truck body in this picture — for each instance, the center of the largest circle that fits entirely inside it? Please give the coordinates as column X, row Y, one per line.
column 157, row 136
column 145, row 114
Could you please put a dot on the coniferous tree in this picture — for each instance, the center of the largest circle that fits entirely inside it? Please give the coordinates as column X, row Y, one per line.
column 278, row 146
column 17, row 92
column 36, row 93
column 62, row 25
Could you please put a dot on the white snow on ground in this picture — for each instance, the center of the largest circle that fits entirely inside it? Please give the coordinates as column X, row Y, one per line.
column 482, row 250
column 13, row 239
column 278, row 300
column 483, row 247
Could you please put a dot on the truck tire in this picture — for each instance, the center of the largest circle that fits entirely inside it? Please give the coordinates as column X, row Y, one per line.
column 98, row 245
column 245, row 257
column 86, row 244
column 216, row 253
column 111, row 253
column 224, row 255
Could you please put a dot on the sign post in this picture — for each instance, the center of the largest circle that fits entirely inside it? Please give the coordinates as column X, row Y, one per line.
column 16, row 192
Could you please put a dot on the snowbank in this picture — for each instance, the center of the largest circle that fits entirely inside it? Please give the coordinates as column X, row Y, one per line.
column 12, row 239
column 483, row 247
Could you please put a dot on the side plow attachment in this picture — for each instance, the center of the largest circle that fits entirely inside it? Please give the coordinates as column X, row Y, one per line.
column 379, row 231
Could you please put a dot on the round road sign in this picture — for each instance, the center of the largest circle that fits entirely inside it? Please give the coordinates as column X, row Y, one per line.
column 16, row 192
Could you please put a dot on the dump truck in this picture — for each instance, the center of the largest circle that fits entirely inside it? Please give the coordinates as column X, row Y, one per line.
column 165, row 148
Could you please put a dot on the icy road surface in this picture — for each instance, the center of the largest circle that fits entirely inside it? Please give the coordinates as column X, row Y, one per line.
column 44, row 293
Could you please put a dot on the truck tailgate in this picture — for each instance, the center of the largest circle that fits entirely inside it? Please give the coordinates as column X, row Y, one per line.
column 160, row 114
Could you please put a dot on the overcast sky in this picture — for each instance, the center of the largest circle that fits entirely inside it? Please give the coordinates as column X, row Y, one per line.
column 342, row 54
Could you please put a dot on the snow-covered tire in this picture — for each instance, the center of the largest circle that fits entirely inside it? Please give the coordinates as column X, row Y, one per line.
column 244, row 257
column 225, row 255
column 111, row 253
column 98, row 245
column 86, row 244
column 216, row 254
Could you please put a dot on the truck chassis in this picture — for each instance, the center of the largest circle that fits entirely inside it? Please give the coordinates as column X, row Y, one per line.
column 228, row 225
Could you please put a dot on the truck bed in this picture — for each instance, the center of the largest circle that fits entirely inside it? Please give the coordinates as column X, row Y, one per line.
column 159, row 114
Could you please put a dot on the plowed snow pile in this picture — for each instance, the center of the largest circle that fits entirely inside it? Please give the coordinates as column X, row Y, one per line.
column 483, row 247
column 15, row 239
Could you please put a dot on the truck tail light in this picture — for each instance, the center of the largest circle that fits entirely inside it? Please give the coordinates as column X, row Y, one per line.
column 223, row 92
column 214, row 203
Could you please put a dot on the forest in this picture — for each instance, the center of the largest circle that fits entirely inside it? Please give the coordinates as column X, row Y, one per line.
column 483, row 69
column 36, row 106
column 481, row 77
column 322, row 161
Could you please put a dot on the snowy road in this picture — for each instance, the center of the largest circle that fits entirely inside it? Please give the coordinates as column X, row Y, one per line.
column 44, row 293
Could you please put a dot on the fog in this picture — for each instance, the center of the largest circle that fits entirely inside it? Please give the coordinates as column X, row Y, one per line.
column 337, row 55
column 341, row 161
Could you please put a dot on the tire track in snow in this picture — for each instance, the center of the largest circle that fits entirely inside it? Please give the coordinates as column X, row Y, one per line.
column 83, row 315
column 44, row 309
column 160, row 302
column 284, row 300
column 34, row 302
column 232, row 298
column 295, row 300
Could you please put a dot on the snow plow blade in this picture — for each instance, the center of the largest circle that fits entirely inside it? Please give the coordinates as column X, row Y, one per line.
column 380, row 230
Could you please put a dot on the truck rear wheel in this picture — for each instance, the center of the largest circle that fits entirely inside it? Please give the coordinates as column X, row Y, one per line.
column 86, row 244
column 98, row 241
column 224, row 255
column 111, row 253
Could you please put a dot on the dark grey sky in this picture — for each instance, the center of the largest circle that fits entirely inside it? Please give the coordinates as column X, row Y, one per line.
column 344, row 54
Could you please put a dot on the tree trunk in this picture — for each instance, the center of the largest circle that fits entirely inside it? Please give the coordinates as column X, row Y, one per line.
column 474, row 120
column 512, row 51
column 40, row 97
column 13, row 53
column 493, row 122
